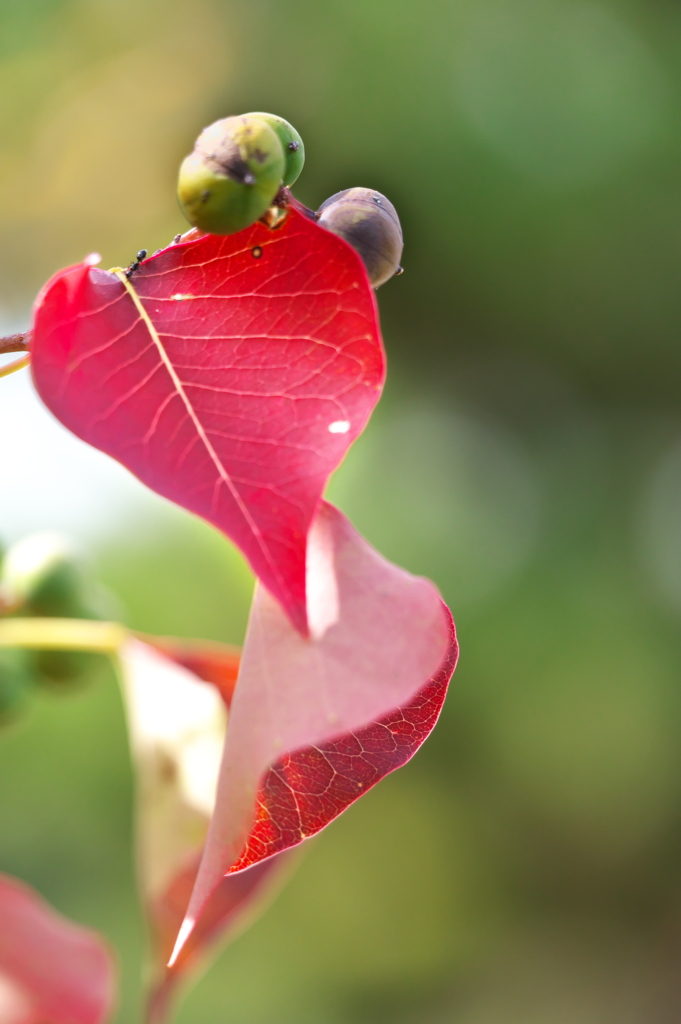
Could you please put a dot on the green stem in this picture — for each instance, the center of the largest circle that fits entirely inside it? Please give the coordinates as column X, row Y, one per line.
column 63, row 635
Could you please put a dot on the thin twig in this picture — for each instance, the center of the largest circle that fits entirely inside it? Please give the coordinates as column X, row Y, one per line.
column 16, row 364
column 15, row 343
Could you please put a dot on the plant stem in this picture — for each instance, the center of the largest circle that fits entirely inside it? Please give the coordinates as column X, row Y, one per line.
column 16, row 364
column 16, row 343
column 63, row 635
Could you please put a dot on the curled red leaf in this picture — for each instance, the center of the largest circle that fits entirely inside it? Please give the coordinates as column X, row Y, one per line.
column 305, row 790
column 316, row 721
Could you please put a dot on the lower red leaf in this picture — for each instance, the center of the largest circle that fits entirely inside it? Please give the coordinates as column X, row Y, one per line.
column 316, row 721
column 299, row 796
column 307, row 789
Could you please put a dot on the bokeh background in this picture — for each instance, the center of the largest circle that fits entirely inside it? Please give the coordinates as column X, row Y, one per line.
column 526, row 867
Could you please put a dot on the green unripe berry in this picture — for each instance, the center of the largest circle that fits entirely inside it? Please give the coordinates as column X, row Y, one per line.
column 291, row 142
column 232, row 176
column 369, row 222
column 62, row 670
column 44, row 574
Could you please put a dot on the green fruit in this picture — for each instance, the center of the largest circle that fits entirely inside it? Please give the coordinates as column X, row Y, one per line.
column 232, row 176
column 44, row 574
column 60, row 670
column 16, row 681
column 292, row 144
column 369, row 222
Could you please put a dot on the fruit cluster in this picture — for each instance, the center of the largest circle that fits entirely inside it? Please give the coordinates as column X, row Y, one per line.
column 45, row 576
column 242, row 166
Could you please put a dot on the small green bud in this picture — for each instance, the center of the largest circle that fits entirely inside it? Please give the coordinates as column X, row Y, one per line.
column 45, row 574
column 232, row 176
column 369, row 222
column 291, row 142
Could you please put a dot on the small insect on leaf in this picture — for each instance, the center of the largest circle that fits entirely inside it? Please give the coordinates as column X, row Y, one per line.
column 141, row 255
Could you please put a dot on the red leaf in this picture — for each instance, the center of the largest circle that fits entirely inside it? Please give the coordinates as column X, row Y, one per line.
column 52, row 971
column 176, row 731
column 231, row 378
column 211, row 661
column 308, row 788
column 176, row 725
column 234, row 902
column 316, row 721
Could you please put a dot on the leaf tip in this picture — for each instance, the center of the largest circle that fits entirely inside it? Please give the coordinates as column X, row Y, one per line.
column 182, row 936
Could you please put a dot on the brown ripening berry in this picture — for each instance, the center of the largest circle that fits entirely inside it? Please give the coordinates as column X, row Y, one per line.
column 369, row 222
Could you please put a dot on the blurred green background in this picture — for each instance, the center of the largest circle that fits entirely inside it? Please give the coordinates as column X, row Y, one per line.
column 526, row 867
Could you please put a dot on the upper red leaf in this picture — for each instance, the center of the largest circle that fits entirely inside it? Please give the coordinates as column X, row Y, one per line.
column 232, row 381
